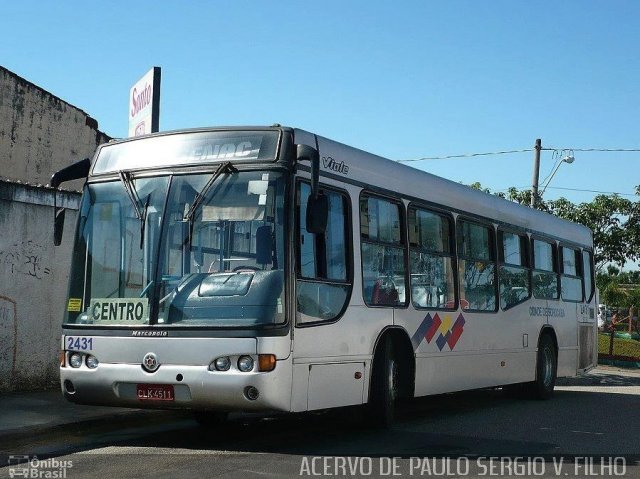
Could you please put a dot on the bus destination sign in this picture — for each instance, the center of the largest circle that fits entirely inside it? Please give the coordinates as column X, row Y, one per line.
column 187, row 149
column 243, row 148
column 121, row 311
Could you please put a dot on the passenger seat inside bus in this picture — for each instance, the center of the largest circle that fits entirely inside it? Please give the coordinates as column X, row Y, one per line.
column 384, row 293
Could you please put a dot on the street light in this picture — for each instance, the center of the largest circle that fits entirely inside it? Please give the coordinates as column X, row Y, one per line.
column 569, row 158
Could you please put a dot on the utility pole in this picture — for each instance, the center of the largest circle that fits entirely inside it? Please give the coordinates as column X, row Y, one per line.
column 536, row 173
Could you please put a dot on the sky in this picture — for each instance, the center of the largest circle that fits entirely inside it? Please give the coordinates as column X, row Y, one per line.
column 404, row 80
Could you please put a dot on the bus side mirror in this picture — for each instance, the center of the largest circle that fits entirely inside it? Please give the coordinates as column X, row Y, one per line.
column 79, row 169
column 317, row 214
column 317, row 205
column 58, row 225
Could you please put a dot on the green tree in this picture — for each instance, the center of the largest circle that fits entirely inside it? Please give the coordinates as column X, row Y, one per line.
column 615, row 222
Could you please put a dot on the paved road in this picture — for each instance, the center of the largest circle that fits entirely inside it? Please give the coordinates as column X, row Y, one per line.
column 596, row 416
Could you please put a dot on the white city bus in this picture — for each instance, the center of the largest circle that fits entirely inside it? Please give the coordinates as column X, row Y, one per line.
column 271, row 269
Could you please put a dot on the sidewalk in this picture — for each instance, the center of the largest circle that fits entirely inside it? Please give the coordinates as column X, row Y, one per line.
column 30, row 412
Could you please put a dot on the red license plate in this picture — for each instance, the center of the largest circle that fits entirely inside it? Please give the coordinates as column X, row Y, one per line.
column 155, row 392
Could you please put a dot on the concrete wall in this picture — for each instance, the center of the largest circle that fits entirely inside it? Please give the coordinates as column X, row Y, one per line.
column 33, row 284
column 40, row 133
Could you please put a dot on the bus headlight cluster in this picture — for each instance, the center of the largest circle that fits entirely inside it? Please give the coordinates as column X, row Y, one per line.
column 245, row 363
column 221, row 364
column 76, row 359
column 92, row 362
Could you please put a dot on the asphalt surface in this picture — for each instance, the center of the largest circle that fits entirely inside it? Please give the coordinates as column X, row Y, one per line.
column 591, row 428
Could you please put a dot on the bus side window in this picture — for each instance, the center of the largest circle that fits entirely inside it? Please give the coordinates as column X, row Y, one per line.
column 476, row 267
column 324, row 277
column 431, row 259
column 514, row 269
column 571, row 275
column 545, row 276
column 587, row 272
column 383, row 252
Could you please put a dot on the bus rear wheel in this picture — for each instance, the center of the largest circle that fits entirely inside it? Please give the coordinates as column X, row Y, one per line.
column 384, row 386
column 546, row 369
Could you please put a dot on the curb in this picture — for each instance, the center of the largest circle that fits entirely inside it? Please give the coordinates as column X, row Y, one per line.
column 117, row 420
column 619, row 363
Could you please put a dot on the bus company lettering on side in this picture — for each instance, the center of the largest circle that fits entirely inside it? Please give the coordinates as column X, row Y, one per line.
column 331, row 164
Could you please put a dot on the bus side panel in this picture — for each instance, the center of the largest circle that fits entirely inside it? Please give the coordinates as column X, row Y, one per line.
column 458, row 372
column 587, row 336
column 459, row 350
column 564, row 322
column 326, row 358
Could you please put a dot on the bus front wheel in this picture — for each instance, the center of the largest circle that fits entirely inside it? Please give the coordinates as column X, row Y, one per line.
column 384, row 386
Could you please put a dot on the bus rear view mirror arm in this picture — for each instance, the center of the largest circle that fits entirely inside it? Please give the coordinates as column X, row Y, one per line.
column 318, row 205
column 76, row 171
column 310, row 154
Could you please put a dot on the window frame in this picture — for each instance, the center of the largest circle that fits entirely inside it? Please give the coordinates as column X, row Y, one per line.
column 349, row 244
column 555, row 260
column 579, row 270
column 404, row 239
column 589, row 297
column 493, row 259
column 526, row 255
column 452, row 254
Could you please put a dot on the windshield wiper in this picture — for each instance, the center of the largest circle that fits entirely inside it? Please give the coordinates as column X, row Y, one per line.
column 200, row 197
column 125, row 178
column 143, row 220
column 141, row 214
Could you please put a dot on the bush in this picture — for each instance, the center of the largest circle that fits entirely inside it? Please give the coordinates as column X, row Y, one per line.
column 629, row 348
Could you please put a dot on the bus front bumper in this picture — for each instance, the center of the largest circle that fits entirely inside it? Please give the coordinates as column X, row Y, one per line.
column 193, row 387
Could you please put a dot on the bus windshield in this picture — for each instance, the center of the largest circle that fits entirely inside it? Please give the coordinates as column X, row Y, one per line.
column 192, row 250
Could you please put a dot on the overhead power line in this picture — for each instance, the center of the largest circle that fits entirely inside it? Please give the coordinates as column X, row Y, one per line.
column 590, row 191
column 633, row 150
column 465, row 155
column 524, row 150
column 522, row 188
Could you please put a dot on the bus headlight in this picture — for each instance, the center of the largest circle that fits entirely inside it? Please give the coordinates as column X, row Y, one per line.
column 221, row 364
column 92, row 362
column 75, row 360
column 245, row 363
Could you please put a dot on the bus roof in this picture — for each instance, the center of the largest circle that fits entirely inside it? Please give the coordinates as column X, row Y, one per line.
column 372, row 171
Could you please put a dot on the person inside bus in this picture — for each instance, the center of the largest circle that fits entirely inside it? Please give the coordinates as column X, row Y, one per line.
column 384, row 293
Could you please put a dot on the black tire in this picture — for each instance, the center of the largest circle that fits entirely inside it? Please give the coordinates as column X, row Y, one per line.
column 546, row 369
column 384, row 386
column 210, row 419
